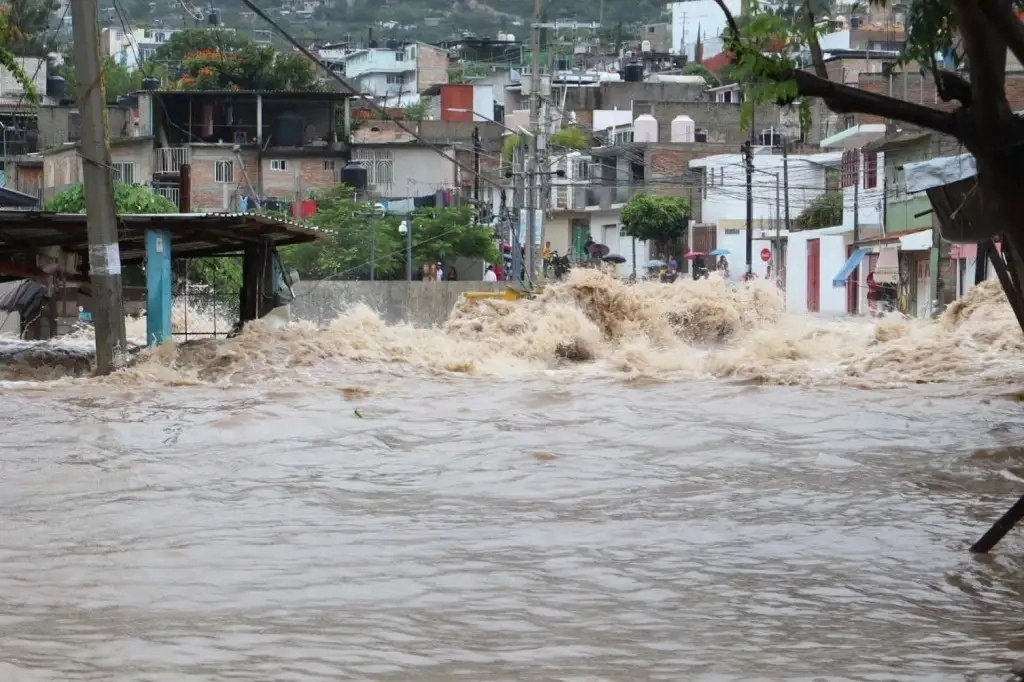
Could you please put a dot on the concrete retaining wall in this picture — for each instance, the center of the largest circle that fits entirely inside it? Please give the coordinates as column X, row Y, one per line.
column 422, row 304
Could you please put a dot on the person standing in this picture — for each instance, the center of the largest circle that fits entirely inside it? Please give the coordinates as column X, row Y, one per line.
column 546, row 258
column 490, row 275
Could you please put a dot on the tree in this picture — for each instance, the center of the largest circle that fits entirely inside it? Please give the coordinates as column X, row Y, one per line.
column 250, row 67
column 571, row 138
column 8, row 36
column 660, row 219
column 825, row 210
column 222, row 273
column 27, row 24
column 192, row 40
column 117, row 79
column 439, row 234
column 975, row 34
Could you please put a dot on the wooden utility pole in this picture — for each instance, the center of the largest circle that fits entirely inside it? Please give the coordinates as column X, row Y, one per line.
column 532, row 165
column 101, row 216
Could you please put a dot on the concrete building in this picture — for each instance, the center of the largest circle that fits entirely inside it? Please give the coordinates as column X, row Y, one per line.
column 397, row 73
column 130, row 49
column 724, row 201
column 238, row 145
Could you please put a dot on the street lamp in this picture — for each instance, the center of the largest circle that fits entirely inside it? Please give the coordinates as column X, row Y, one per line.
column 405, row 227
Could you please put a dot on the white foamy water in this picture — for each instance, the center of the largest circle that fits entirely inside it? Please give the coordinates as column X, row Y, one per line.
column 608, row 483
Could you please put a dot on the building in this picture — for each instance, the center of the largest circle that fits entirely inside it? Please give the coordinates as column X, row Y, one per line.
column 238, row 145
column 397, row 73
column 399, row 165
column 723, row 187
column 130, row 49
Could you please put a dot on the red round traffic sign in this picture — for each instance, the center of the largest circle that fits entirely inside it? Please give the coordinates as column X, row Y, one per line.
column 766, row 255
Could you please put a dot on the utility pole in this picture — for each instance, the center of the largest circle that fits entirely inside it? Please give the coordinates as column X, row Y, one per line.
column 785, row 176
column 748, row 161
column 531, row 166
column 520, row 200
column 101, row 216
column 856, row 199
column 776, row 250
column 476, row 166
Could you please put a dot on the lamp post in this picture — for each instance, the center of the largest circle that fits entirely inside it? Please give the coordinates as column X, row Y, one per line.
column 405, row 227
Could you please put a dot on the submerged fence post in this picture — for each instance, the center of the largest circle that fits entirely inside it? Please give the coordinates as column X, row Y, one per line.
column 158, row 287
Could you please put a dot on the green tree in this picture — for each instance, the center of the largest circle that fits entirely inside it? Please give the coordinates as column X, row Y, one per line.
column 27, row 22
column 416, row 112
column 192, row 40
column 825, row 210
column 439, row 234
column 117, row 79
column 975, row 35
column 225, row 274
column 8, row 36
column 571, row 138
column 659, row 219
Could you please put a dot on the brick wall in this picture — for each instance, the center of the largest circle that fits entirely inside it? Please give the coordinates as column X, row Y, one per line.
column 63, row 167
column 299, row 177
column 912, row 87
column 208, row 193
column 431, row 66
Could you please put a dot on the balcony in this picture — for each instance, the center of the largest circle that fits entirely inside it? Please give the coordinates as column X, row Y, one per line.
column 606, row 196
column 172, row 194
column 169, row 160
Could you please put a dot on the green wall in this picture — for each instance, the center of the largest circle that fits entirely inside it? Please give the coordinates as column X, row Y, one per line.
column 900, row 214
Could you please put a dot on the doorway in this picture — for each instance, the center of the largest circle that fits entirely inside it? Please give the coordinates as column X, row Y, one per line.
column 813, row 275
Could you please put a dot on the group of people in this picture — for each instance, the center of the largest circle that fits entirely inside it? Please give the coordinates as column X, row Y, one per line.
column 436, row 272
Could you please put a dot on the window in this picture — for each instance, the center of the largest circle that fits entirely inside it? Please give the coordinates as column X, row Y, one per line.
column 650, row 29
column 395, row 79
column 581, row 170
column 399, row 56
column 380, row 166
column 148, row 53
column 851, row 167
column 123, row 172
column 224, row 172
column 278, row 165
column 328, row 164
column 870, row 170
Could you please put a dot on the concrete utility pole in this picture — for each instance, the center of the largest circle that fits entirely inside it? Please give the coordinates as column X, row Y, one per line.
column 101, row 216
column 748, row 162
column 532, row 165
column 785, row 177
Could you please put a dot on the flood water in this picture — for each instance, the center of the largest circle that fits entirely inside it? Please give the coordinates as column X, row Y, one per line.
column 348, row 517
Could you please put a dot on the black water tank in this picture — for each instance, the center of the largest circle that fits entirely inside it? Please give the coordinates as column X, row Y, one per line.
column 150, row 83
column 499, row 113
column 562, row 64
column 213, row 18
column 289, row 130
column 56, row 87
column 633, row 73
column 355, row 175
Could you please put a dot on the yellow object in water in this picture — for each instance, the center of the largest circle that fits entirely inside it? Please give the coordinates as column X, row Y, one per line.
column 509, row 294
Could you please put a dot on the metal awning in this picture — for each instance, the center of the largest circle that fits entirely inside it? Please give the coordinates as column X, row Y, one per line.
column 193, row 235
column 848, row 267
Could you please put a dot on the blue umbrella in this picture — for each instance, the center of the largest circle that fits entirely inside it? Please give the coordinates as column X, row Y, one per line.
column 719, row 252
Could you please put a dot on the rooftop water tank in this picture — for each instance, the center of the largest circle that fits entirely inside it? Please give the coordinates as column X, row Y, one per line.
column 510, row 37
column 645, row 128
column 633, row 73
column 289, row 130
column 355, row 175
column 56, row 87
column 150, row 83
column 645, row 46
column 682, row 129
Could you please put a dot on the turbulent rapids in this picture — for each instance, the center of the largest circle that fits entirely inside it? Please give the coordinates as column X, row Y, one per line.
column 595, row 324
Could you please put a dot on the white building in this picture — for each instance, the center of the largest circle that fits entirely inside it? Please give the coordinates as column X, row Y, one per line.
column 862, row 174
column 724, row 201
column 131, row 49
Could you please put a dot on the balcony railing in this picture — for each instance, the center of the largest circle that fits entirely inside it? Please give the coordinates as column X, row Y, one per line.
column 171, row 159
column 172, row 194
column 604, row 196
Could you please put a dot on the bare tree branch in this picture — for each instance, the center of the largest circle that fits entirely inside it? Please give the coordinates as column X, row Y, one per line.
column 952, row 87
column 817, row 58
column 844, row 99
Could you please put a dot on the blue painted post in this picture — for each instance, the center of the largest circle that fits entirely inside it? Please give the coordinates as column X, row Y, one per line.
column 158, row 287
